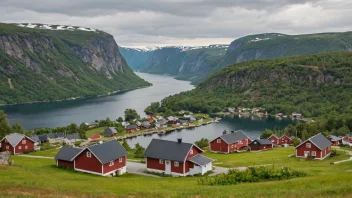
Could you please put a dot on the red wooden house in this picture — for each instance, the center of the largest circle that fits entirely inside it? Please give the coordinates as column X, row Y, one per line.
column 274, row 139
column 261, row 144
column 284, row 139
column 334, row 140
column 234, row 141
column 348, row 138
column 317, row 147
column 131, row 128
column 176, row 158
column 108, row 158
column 17, row 143
column 110, row 131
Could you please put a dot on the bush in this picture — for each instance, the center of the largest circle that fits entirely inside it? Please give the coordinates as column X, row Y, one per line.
column 334, row 153
column 202, row 143
column 251, row 174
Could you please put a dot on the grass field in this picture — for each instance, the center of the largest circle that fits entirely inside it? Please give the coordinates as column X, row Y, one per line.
column 39, row 177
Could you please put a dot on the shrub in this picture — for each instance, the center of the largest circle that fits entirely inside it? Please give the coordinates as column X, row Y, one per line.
column 334, row 153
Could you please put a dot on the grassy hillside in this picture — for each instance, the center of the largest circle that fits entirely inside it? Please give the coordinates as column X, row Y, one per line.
column 48, row 65
column 314, row 85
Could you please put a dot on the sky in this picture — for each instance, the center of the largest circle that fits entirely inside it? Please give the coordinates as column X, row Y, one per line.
column 140, row 23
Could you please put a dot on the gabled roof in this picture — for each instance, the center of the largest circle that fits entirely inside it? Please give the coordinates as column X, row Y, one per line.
column 132, row 126
column 261, row 142
column 334, row 138
column 108, row 151
column 73, row 136
column 146, row 123
column 15, row 138
column 319, row 141
column 43, row 138
column 273, row 135
column 200, row 160
column 35, row 138
column 50, row 135
column 67, row 153
column 234, row 136
column 110, row 130
column 168, row 150
column 60, row 135
column 284, row 136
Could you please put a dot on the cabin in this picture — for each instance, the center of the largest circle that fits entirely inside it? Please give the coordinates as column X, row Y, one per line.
column 183, row 122
column 317, row 147
column 43, row 138
column 131, row 128
column 150, row 119
column 228, row 143
column 110, row 131
column 348, row 138
column 146, row 125
column 176, row 158
column 284, row 139
column 334, row 140
column 172, row 120
column 108, row 158
column 274, row 139
column 60, row 135
column 260, row 145
column 71, row 138
column 91, row 125
column 17, row 143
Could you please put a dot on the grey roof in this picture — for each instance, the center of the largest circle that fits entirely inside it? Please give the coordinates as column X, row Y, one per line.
column 200, row 160
column 60, row 135
column 50, row 135
column 146, row 123
column 43, row 138
column 192, row 118
column 261, row 142
column 35, row 138
column 168, row 150
column 73, row 136
column 15, row 138
column 110, row 130
column 162, row 122
column 182, row 121
column 108, row 151
column 67, row 153
column 234, row 137
column 335, row 138
column 318, row 140
column 132, row 126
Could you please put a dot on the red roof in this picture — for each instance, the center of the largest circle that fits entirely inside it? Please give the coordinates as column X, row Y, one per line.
column 95, row 137
column 150, row 119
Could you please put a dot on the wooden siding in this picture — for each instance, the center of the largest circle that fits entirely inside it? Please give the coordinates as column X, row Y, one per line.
column 178, row 169
column 260, row 147
column 66, row 164
column 28, row 146
column 274, row 140
column 154, row 164
column 219, row 147
column 319, row 153
column 88, row 163
column 6, row 146
column 117, row 165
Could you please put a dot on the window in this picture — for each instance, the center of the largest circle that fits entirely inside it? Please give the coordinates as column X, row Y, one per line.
column 6, row 140
column 272, row 140
column 232, row 145
column 161, row 161
column 120, row 159
column 26, row 147
column 7, row 147
column 89, row 154
column 176, row 164
column 111, row 163
column 314, row 153
column 191, row 152
column 308, row 145
column 218, row 140
column 19, row 147
column 23, row 141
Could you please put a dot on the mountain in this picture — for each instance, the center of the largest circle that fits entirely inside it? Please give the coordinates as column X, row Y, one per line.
column 314, row 85
column 199, row 64
column 179, row 61
column 52, row 62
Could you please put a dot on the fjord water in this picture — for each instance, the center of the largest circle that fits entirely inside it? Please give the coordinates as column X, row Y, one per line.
column 55, row 114
column 62, row 113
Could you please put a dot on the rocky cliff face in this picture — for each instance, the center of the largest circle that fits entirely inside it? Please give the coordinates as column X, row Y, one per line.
column 74, row 63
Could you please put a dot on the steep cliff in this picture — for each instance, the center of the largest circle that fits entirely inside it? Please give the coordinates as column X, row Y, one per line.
column 54, row 63
column 314, row 85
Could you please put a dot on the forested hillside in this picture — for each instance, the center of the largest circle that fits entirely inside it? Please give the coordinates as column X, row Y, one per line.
column 46, row 63
column 314, row 85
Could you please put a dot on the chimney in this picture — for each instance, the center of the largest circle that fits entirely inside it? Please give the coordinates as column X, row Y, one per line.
column 179, row 140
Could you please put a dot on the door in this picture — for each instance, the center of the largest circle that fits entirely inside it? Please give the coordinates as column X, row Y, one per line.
column 167, row 166
column 306, row 153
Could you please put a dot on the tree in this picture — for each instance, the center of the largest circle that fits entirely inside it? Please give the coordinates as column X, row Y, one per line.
column 120, row 119
column 266, row 134
column 342, row 131
column 295, row 142
column 139, row 151
column 202, row 143
column 72, row 128
column 108, row 122
column 290, row 130
column 153, row 108
column 17, row 128
column 82, row 131
column 5, row 128
column 126, row 146
column 131, row 114
column 224, row 132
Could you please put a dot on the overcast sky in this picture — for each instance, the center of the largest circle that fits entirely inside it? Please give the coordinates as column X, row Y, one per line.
column 137, row 23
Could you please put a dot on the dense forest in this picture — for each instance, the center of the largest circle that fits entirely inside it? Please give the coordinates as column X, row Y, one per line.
column 49, row 65
column 314, row 85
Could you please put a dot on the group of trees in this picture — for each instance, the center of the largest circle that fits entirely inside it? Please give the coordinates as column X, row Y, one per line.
column 138, row 151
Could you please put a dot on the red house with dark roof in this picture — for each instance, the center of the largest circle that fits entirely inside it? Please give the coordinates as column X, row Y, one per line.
column 317, row 147
column 274, row 139
column 108, row 158
column 16, row 143
column 261, row 144
column 234, row 141
column 176, row 158
column 284, row 139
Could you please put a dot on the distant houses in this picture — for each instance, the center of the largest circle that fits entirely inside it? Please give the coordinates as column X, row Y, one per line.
column 131, row 128
column 317, row 147
column 228, row 143
column 17, row 143
column 176, row 158
column 108, row 158
column 274, row 139
column 110, row 131
column 261, row 144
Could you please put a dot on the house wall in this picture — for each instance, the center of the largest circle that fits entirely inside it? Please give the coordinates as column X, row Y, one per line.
column 131, row 130
column 178, row 169
column 4, row 145
column 302, row 148
column 188, row 164
column 219, row 147
column 260, row 147
column 117, row 165
column 285, row 140
column 154, row 164
column 274, row 140
column 66, row 164
column 88, row 163
column 28, row 146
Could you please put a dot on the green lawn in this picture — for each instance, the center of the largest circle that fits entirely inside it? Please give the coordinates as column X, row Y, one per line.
column 48, row 153
column 40, row 177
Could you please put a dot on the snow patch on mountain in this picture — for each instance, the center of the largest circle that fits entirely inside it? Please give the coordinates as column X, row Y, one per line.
column 55, row 27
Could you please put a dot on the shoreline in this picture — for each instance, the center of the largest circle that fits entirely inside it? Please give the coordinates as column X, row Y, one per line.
column 79, row 97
